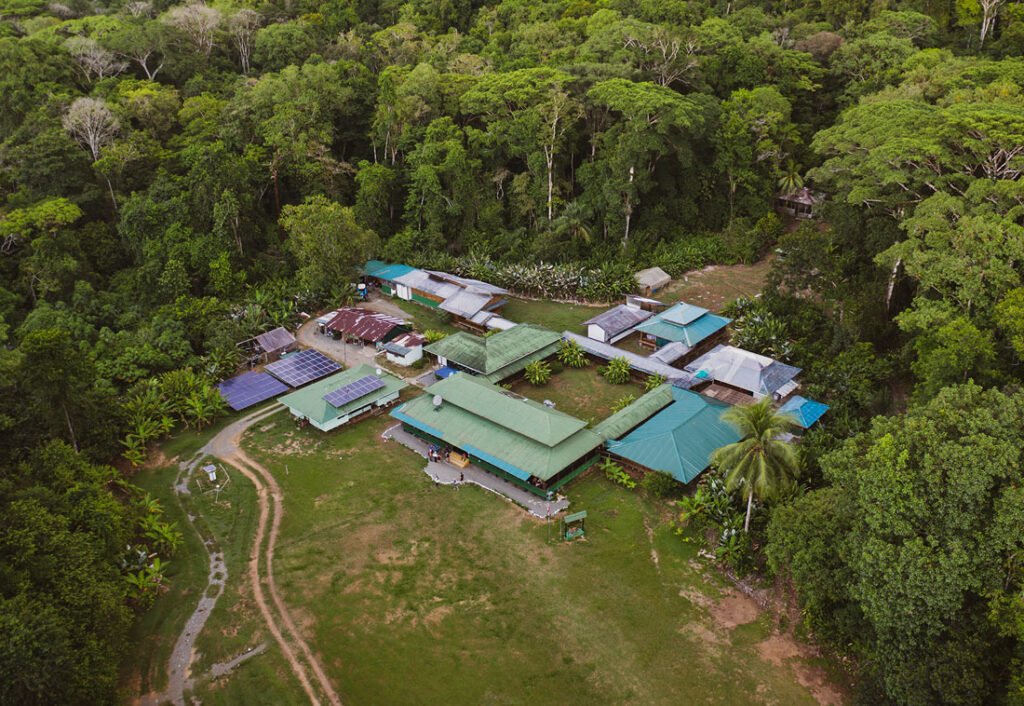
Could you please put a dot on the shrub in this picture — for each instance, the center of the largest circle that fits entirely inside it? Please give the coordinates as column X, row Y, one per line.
column 623, row 402
column 660, row 484
column 614, row 472
column 538, row 372
column 570, row 353
column 433, row 336
column 617, row 371
column 654, row 381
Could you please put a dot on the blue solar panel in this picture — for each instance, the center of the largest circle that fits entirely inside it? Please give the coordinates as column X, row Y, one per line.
column 299, row 368
column 250, row 388
column 353, row 390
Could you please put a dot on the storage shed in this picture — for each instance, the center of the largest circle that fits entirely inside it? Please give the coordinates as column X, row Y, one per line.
column 616, row 323
column 405, row 349
column 652, row 280
column 273, row 343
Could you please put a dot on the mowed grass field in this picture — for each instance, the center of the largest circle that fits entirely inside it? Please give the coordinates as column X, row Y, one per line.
column 580, row 392
column 412, row 594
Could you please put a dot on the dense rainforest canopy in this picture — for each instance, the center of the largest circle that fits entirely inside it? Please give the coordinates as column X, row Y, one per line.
column 176, row 178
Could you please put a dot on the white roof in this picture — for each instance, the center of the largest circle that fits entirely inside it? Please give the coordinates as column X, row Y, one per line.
column 755, row 373
column 653, row 277
column 465, row 303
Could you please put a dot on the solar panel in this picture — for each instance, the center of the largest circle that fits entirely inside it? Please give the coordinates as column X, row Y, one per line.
column 304, row 366
column 353, row 390
column 250, row 388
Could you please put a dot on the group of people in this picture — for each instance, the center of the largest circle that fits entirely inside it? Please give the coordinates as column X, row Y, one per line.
column 437, row 454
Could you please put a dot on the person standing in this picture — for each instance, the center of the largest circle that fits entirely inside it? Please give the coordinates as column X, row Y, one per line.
column 462, row 477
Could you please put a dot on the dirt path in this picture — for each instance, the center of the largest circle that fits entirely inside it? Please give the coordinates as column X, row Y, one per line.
column 180, row 663
column 270, row 501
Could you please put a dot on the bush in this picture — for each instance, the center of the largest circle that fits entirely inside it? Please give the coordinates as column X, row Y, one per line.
column 693, row 253
column 623, row 402
column 617, row 371
column 433, row 336
column 572, row 355
column 538, row 372
column 654, row 381
column 614, row 472
column 660, row 484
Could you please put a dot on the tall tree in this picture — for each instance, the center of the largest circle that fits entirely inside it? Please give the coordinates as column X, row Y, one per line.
column 911, row 558
column 760, row 463
column 327, row 243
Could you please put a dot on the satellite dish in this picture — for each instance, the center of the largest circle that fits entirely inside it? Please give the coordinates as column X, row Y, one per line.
column 437, row 400
column 379, row 372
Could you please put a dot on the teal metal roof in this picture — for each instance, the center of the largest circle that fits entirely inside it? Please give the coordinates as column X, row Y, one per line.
column 519, row 436
column 309, row 400
column 806, row 412
column 381, row 270
column 679, row 439
column 684, row 322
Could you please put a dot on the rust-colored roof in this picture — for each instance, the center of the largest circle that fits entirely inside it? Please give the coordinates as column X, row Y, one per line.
column 409, row 340
column 367, row 325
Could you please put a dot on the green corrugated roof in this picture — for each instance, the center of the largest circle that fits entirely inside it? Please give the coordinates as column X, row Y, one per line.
column 492, row 355
column 517, row 365
column 680, row 438
column 309, row 400
column 524, row 416
column 625, row 419
column 521, row 436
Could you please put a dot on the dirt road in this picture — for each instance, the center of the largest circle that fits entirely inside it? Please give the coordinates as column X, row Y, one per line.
column 270, row 504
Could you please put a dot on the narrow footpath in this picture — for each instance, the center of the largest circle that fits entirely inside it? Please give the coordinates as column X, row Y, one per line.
column 297, row 652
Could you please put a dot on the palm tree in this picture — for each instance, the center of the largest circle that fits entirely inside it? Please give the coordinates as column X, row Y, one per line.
column 760, row 462
column 791, row 181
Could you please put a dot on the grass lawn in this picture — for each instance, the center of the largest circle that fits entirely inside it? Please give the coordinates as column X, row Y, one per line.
column 716, row 285
column 413, row 594
column 581, row 392
column 557, row 316
column 423, row 317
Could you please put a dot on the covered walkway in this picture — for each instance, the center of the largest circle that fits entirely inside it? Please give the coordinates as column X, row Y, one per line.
column 448, row 474
column 637, row 362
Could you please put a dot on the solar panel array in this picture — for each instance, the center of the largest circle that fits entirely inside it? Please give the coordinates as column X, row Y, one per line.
column 353, row 391
column 304, row 366
column 250, row 388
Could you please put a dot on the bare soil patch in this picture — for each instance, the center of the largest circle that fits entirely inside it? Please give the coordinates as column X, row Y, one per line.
column 782, row 650
column 716, row 285
column 734, row 610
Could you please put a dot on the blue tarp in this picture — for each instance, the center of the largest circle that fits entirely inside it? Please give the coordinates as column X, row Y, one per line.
column 445, row 372
column 806, row 412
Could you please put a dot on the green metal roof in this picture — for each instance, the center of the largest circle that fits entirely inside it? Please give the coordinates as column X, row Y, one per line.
column 518, row 432
column 496, row 355
column 679, row 439
column 575, row 517
column 633, row 414
column 548, row 426
column 684, row 322
column 309, row 400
